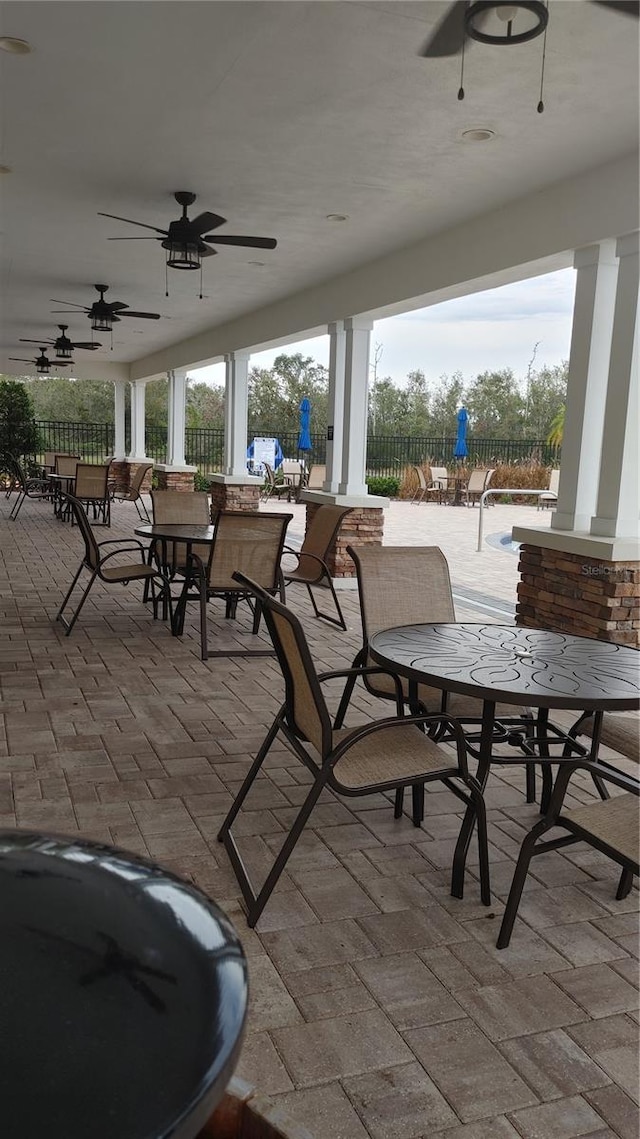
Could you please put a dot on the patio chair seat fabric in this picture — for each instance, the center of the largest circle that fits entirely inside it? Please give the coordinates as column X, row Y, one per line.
column 182, row 508
column 27, row 487
column 312, row 568
column 131, row 572
column 391, row 753
column 614, row 821
column 620, row 732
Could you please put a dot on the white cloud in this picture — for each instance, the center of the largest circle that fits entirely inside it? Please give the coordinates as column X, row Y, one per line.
column 477, row 333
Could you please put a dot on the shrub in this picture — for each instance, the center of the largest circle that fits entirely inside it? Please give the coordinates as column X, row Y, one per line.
column 531, row 475
column 201, row 482
column 18, row 433
column 385, row 485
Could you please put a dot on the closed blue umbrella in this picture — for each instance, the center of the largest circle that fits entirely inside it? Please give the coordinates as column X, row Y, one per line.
column 304, row 437
column 460, row 449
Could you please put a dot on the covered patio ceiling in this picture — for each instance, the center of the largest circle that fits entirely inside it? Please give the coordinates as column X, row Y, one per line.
column 277, row 115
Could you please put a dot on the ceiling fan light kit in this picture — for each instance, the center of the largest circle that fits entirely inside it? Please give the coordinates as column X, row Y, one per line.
column 508, row 14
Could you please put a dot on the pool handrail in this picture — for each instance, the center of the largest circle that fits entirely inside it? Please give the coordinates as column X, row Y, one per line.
column 501, row 490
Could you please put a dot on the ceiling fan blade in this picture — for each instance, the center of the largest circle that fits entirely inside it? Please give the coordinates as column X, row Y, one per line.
column 206, row 250
column 206, row 221
column 134, row 239
column 250, row 242
column 449, row 36
column 145, row 315
column 144, row 225
column 24, row 340
column 21, row 360
column 86, row 345
column 57, row 301
column 628, row 7
column 116, row 306
column 68, row 311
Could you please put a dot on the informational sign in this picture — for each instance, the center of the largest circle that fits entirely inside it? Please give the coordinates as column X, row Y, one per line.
column 264, row 451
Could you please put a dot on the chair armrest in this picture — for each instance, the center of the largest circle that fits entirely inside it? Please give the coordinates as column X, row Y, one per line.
column 123, row 550
column 132, row 542
column 445, row 721
column 367, row 670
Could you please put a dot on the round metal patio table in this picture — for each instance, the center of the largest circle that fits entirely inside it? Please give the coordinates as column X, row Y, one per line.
column 514, row 665
column 191, row 535
column 124, row 994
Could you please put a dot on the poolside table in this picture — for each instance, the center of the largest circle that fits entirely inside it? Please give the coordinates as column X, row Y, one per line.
column 515, row 665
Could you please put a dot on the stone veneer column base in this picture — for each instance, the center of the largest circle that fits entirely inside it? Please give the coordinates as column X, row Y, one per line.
column 120, row 472
column 173, row 480
column 362, row 527
column 231, row 496
column 573, row 593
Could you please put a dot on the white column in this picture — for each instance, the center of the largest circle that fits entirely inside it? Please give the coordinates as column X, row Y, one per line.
column 236, row 413
column 137, row 419
column 335, row 429
column 176, row 419
column 119, row 447
column 356, row 394
column 616, row 514
column 597, row 273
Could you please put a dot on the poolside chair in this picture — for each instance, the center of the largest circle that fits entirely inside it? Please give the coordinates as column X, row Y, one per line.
column 422, row 485
column 250, row 543
column 312, row 568
column 381, row 755
column 408, row 585
column 95, row 562
column 476, row 484
column 610, row 825
column 438, row 486
column 134, row 493
column 27, row 487
column 317, row 477
column 182, row 507
column 91, row 488
column 275, row 486
column 549, row 497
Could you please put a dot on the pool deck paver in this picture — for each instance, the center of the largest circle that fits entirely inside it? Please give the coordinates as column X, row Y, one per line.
column 380, row 1006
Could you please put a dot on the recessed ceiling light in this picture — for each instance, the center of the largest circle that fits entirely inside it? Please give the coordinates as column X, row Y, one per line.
column 337, row 217
column 478, row 134
column 15, row 46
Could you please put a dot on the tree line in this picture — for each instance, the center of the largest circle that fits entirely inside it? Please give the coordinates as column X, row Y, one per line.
column 500, row 405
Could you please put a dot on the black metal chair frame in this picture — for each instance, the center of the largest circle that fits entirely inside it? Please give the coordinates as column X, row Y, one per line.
column 94, row 562
column 600, row 772
column 323, row 573
column 36, row 488
column 323, row 773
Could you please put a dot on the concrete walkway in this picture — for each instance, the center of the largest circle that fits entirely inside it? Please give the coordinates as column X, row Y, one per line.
column 380, row 1006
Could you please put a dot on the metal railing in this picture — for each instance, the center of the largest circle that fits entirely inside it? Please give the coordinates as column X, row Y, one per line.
column 387, row 455
column 501, row 490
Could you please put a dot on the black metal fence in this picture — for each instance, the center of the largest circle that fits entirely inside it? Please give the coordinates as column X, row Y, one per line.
column 386, row 454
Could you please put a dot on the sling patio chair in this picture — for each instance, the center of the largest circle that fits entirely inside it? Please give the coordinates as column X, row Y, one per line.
column 100, row 565
column 317, row 477
column 436, row 487
column 379, row 756
column 610, row 825
column 186, row 508
column 250, row 543
column 27, row 487
column 312, row 568
column 134, row 493
column 549, row 497
column 410, row 585
column 91, row 488
column 478, row 481
column 275, row 486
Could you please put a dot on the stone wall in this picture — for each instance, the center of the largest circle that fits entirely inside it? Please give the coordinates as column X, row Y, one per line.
column 227, row 496
column 571, row 593
column 173, row 480
column 363, row 526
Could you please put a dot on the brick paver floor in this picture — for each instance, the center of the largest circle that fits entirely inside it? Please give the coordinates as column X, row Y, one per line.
column 379, row 1004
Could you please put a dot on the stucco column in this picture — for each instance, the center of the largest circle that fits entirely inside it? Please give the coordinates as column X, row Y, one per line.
column 597, row 273
column 616, row 512
column 335, row 431
column 119, row 445
column 356, row 393
column 137, row 420
column 236, row 413
column 176, row 420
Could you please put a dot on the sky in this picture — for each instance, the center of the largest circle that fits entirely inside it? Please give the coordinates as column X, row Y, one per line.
column 487, row 331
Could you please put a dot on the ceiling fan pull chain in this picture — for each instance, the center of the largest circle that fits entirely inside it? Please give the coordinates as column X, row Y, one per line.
column 200, row 297
column 540, row 107
column 461, row 88
column 166, row 280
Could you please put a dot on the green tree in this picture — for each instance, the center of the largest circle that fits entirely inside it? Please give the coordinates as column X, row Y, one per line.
column 444, row 407
column 545, row 397
column 61, row 399
column 495, row 406
column 18, row 434
column 275, row 394
column 205, row 405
